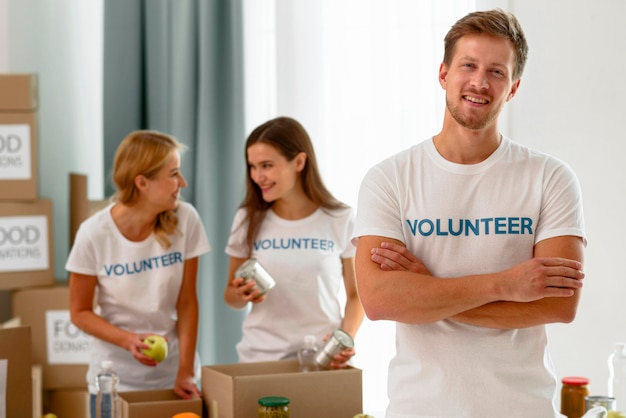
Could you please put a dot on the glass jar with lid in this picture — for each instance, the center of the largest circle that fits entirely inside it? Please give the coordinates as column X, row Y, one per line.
column 274, row 407
column 573, row 393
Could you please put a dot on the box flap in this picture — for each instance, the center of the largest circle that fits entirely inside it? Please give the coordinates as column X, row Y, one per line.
column 156, row 403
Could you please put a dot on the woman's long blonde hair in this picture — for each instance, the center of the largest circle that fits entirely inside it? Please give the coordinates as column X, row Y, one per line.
column 144, row 153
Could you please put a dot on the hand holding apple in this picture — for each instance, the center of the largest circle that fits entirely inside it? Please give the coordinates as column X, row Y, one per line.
column 158, row 348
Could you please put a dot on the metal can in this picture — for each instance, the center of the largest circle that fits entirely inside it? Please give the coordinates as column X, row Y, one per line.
column 605, row 401
column 253, row 270
column 338, row 341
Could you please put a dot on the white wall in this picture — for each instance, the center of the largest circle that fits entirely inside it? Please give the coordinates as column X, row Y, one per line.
column 61, row 42
column 571, row 104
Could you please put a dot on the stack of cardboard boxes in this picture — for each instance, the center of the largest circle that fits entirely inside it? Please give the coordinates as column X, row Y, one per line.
column 36, row 330
column 25, row 219
column 25, row 246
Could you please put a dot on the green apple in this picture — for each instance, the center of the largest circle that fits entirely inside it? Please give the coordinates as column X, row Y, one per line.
column 49, row 416
column 362, row 416
column 158, row 348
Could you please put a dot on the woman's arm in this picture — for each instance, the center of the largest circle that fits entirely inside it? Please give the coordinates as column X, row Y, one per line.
column 82, row 290
column 188, row 311
column 353, row 315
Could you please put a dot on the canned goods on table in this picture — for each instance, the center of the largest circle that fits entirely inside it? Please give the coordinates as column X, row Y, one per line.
column 605, row 401
column 274, row 407
column 336, row 343
column 253, row 270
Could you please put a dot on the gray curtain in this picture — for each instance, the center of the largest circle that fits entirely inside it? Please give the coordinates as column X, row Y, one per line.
column 176, row 66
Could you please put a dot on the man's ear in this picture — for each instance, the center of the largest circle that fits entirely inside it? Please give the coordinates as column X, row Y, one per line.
column 514, row 89
column 443, row 75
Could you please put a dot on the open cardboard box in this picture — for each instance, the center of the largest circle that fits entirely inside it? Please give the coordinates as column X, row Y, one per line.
column 67, row 403
column 163, row 403
column 233, row 390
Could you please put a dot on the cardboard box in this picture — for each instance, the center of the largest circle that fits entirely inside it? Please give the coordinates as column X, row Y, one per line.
column 26, row 244
column 16, row 372
column 81, row 207
column 18, row 156
column 19, row 92
column 58, row 346
column 67, row 403
column 233, row 390
column 155, row 404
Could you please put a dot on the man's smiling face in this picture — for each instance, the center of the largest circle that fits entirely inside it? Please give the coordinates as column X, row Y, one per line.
column 478, row 81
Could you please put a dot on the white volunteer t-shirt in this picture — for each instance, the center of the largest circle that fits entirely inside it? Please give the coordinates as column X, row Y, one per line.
column 462, row 220
column 137, row 290
column 305, row 259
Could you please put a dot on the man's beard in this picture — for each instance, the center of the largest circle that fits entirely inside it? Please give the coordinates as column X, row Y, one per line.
column 468, row 121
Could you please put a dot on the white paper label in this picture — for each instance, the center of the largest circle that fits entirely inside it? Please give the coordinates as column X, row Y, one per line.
column 66, row 343
column 15, row 153
column 24, row 243
column 4, row 366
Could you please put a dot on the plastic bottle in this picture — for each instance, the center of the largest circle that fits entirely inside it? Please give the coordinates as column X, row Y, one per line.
column 306, row 355
column 617, row 376
column 107, row 382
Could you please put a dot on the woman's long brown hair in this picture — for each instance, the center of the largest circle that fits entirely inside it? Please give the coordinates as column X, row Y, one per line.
column 289, row 138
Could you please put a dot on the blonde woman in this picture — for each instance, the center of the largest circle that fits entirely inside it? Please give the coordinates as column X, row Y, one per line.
column 139, row 258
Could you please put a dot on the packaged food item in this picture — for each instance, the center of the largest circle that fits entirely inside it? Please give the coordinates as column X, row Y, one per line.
column 608, row 402
column 336, row 343
column 274, row 407
column 253, row 270
column 573, row 393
